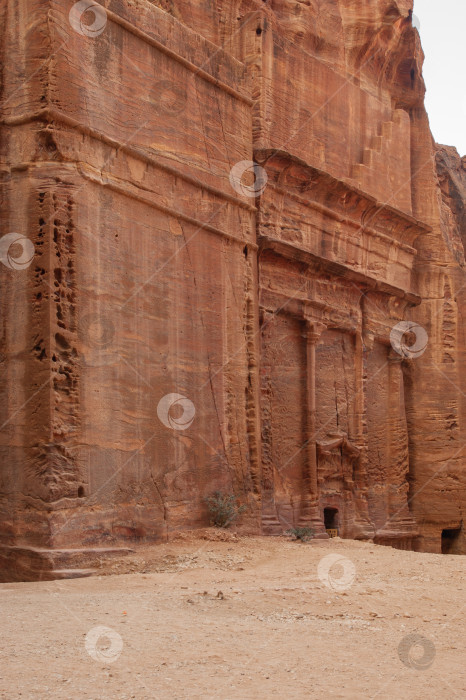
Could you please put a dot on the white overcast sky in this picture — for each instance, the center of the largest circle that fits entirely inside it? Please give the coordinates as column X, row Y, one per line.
column 443, row 36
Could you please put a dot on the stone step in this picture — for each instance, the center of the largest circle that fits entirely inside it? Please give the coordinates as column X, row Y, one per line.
column 41, row 564
column 271, row 525
column 359, row 172
column 72, row 573
column 376, row 143
column 269, row 516
column 371, row 155
column 368, row 157
column 66, row 558
column 387, row 130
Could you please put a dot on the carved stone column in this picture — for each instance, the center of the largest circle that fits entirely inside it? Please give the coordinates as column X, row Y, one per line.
column 310, row 511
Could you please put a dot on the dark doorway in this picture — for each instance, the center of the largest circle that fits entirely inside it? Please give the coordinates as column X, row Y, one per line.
column 331, row 518
column 450, row 540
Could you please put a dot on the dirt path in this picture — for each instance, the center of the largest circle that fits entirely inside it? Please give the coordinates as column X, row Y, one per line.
column 242, row 618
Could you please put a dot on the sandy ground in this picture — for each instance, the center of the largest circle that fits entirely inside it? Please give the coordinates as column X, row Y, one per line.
column 242, row 618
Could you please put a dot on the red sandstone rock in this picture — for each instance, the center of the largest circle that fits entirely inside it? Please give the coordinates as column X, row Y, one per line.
column 169, row 334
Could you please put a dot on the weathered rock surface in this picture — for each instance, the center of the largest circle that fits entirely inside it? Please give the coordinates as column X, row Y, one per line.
column 176, row 330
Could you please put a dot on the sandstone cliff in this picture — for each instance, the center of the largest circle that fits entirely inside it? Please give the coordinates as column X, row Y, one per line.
column 172, row 327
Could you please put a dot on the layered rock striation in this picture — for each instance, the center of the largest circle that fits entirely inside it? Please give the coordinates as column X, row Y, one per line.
column 232, row 259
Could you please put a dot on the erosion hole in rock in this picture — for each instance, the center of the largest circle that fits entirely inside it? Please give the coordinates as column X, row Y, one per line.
column 450, row 540
column 331, row 518
column 81, row 492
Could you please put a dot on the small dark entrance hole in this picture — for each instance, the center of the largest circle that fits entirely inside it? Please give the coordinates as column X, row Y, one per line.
column 449, row 540
column 331, row 518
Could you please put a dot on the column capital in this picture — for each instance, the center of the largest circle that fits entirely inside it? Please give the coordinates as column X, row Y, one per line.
column 313, row 329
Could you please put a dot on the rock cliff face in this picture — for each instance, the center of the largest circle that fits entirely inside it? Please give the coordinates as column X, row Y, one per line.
column 232, row 258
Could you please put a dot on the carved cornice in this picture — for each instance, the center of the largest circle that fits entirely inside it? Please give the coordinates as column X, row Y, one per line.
column 296, row 254
column 339, row 199
column 276, row 303
column 313, row 328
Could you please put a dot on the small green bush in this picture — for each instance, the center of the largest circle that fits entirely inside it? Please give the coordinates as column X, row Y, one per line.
column 301, row 533
column 223, row 508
